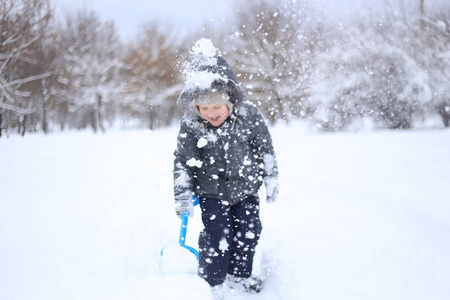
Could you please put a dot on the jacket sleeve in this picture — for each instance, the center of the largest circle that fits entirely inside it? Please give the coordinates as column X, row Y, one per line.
column 263, row 143
column 186, row 158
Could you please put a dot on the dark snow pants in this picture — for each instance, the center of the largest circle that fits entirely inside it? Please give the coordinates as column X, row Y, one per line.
column 227, row 243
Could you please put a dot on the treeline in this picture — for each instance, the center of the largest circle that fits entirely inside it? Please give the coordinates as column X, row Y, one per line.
column 389, row 68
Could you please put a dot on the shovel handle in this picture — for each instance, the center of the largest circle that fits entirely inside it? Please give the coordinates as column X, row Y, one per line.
column 183, row 228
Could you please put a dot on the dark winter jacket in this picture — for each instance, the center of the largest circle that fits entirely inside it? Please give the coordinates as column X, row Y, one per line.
column 228, row 162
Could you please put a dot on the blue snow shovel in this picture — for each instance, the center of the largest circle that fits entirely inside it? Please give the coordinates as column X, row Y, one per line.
column 183, row 230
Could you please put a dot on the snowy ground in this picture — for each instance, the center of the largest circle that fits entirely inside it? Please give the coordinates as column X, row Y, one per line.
column 360, row 216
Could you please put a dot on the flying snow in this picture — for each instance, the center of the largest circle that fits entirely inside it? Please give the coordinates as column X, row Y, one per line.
column 203, row 53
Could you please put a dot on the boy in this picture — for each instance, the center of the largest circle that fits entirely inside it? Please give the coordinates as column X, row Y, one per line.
column 224, row 154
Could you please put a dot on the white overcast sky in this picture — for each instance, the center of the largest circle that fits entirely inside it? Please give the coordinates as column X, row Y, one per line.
column 187, row 15
column 129, row 15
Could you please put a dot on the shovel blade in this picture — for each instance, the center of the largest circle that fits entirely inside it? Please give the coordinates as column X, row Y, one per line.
column 177, row 259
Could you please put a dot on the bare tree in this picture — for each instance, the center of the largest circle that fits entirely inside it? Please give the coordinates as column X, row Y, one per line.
column 153, row 78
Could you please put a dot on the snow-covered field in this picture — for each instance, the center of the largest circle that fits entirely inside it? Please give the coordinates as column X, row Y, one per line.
column 360, row 216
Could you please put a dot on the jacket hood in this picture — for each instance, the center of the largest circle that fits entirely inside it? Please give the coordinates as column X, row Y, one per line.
column 206, row 73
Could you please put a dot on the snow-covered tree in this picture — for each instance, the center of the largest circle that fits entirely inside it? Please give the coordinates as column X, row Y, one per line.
column 368, row 73
column 92, row 66
column 22, row 25
column 435, row 56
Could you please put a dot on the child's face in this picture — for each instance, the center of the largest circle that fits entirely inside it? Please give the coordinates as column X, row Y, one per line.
column 215, row 114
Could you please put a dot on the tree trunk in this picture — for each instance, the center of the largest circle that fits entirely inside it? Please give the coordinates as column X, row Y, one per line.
column 24, row 125
column 445, row 114
column 1, row 122
column 100, row 113
column 44, row 117
column 444, row 111
column 422, row 14
column 94, row 120
column 154, row 119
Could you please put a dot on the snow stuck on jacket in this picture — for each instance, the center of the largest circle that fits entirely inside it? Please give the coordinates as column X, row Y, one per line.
column 269, row 163
column 182, row 179
column 203, row 53
column 202, row 142
column 193, row 162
